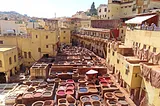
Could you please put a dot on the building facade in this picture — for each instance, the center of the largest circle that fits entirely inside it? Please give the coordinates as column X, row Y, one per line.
column 102, row 11
column 9, row 62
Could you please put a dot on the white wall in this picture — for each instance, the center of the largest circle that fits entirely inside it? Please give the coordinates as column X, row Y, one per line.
column 103, row 13
column 6, row 25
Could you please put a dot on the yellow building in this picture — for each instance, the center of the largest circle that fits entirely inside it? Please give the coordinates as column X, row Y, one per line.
column 120, row 8
column 65, row 36
column 94, row 39
column 9, row 62
column 85, row 23
column 151, row 43
column 34, row 45
column 125, row 61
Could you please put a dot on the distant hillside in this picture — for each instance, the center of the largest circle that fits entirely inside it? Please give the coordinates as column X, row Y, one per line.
column 12, row 15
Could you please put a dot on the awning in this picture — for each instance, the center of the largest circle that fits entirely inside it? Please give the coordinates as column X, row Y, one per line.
column 139, row 19
column 92, row 72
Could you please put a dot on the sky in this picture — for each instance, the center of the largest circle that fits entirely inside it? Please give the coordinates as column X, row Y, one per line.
column 48, row 8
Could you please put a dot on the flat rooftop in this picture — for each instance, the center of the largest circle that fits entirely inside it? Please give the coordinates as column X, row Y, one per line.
column 97, row 29
column 6, row 48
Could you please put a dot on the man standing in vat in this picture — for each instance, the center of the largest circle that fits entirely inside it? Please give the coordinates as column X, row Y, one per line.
column 92, row 76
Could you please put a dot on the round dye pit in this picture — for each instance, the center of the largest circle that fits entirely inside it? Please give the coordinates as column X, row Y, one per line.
column 114, row 86
column 62, row 105
column 62, row 101
column 48, row 103
column 28, row 96
column 93, row 89
column 82, row 85
column 38, row 103
column 81, row 81
column 61, row 92
column 71, row 86
column 123, row 103
column 85, row 99
column 105, row 86
column 83, row 90
column 70, row 81
column 49, row 89
column 71, row 104
column 31, row 89
column 95, row 97
column 43, row 84
column 104, row 83
column 87, row 104
column 119, row 95
column 37, row 94
column 47, row 93
column 112, row 102
column 90, row 84
column 109, row 95
column 96, row 103
column 69, row 91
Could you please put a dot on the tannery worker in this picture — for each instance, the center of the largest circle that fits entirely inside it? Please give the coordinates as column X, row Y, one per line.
column 92, row 76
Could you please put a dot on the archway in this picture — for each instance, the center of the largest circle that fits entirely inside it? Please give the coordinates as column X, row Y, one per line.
column 2, row 77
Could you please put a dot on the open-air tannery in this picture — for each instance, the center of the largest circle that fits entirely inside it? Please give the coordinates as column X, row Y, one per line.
column 76, row 77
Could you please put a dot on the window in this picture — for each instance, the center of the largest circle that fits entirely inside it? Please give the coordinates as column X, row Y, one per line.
column 100, row 10
column 64, row 31
column 136, row 75
column 149, row 47
column 136, row 44
column 133, row 43
column 39, row 49
column 46, row 36
column 29, row 54
column 108, row 17
column 36, row 36
column 10, row 60
column 127, row 71
column 0, row 63
column 15, row 58
column 46, row 46
column 108, row 50
column 154, row 49
column 105, row 10
column 139, row 44
column 108, row 10
column 144, row 46
column 112, row 53
column 117, row 61
column 121, row 31
column 125, row 6
column 1, row 42
column 64, row 37
column 25, row 54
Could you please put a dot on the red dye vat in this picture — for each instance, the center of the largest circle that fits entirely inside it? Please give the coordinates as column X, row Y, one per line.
column 108, row 78
column 103, row 80
column 70, row 81
column 69, row 91
column 104, row 83
column 37, row 94
column 70, row 86
column 61, row 92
